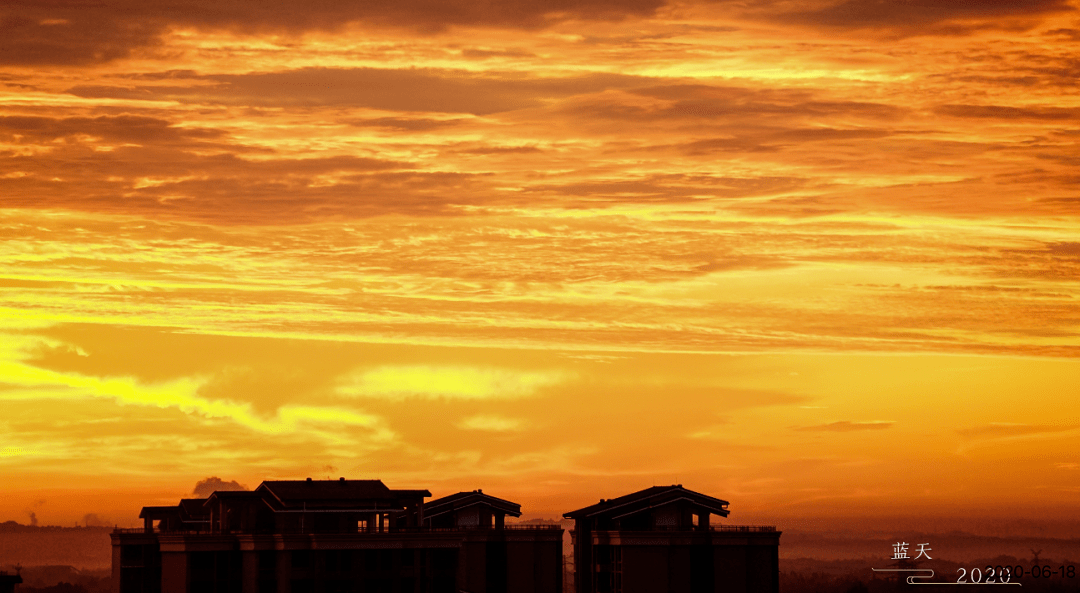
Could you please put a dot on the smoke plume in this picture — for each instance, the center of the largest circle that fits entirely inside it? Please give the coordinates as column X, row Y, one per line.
column 204, row 488
column 93, row 520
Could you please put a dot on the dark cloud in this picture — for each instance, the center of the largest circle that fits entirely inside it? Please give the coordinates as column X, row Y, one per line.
column 922, row 17
column 484, row 150
column 699, row 103
column 236, row 199
column 1005, row 112
column 847, row 426
column 745, row 262
column 403, row 124
column 1012, row 430
column 1069, row 34
column 62, row 32
column 414, row 89
column 37, row 34
column 726, row 145
column 204, row 488
column 196, row 173
column 123, row 128
column 93, row 520
column 483, row 54
column 667, row 188
column 1066, row 249
column 73, row 33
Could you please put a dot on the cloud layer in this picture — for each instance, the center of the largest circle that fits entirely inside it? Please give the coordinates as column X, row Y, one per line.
column 797, row 253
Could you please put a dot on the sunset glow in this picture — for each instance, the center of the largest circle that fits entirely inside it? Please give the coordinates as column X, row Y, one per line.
column 811, row 257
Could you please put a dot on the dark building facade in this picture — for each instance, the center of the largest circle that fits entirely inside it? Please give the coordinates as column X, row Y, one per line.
column 662, row 540
column 8, row 582
column 336, row 536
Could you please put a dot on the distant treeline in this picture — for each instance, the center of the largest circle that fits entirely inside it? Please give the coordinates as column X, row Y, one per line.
column 791, row 582
column 62, row 579
column 806, row 575
column 13, row 527
column 102, row 586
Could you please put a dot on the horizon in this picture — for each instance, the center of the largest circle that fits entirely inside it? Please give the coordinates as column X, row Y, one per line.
column 820, row 260
column 840, row 523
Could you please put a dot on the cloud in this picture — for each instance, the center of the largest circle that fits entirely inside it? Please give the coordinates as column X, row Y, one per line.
column 172, row 180
column 484, row 54
column 1008, row 112
column 80, row 33
column 927, row 17
column 1065, row 249
column 426, row 382
column 406, row 124
column 848, row 426
column 120, row 128
column 1011, row 429
column 34, row 36
column 332, row 424
column 488, row 423
column 1068, row 34
column 391, row 89
column 662, row 188
column 204, row 488
column 93, row 520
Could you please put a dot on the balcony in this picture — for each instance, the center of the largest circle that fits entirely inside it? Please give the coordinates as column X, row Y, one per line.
column 294, row 531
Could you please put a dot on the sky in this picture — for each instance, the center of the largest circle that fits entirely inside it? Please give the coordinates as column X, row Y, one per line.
column 819, row 259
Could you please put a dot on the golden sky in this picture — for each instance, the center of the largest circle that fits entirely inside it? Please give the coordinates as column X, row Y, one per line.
column 810, row 257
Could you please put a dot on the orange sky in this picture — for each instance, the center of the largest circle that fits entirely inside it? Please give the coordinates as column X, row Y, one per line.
column 814, row 258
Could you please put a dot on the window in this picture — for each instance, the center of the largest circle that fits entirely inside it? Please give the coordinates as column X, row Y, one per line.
column 608, row 572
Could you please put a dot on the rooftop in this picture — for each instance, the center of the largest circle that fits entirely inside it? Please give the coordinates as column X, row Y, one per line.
column 650, row 498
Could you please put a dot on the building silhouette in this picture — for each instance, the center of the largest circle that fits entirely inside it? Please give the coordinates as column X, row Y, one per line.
column 8, row 582
column 661, row 540
column 336, row 536
column 339, row 536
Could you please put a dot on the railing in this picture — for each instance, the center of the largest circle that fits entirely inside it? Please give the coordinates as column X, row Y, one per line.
column 695, row 528
column 750, row 528
column 508, row 527
column 297, row 530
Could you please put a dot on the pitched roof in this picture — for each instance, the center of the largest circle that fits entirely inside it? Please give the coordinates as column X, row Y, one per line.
column 336, row 493
column 229, row 494
column 158, row 512
column 462, row 500
column 193, row 507
column 188, row 507
column 649, row 498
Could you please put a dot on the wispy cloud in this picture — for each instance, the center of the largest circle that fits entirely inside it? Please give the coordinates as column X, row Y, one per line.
column 401, row 382
column 1012, row 429
column 848, row 426
column 491, row 423
column 596, row 243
